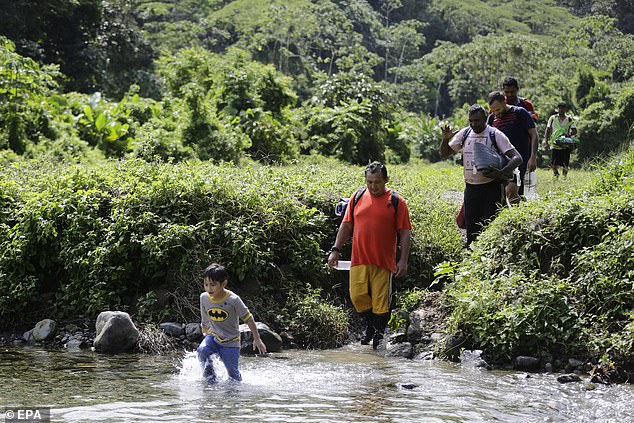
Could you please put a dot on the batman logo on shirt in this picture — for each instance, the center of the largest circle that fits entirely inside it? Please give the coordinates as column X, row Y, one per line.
column 217, row 314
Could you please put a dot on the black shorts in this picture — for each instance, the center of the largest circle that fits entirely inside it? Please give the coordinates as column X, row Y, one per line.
column 561, row 157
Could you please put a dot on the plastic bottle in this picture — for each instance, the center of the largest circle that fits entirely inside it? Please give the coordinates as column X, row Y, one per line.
column 530, row 185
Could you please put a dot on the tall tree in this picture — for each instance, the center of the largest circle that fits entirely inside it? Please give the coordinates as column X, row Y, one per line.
column 387, row 7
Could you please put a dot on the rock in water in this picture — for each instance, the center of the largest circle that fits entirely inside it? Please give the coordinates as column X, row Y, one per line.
column 271, row 339
column 116, row 332
column 44, row 330
column 568, row 378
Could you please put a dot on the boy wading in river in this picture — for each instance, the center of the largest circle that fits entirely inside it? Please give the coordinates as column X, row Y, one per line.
column 220, row 310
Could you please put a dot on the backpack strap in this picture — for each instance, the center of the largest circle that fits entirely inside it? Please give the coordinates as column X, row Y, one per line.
column 357, row 196
column 355, row 200
column 465, row 135
column 395, row 202
column 493, row 141
column 491, row 137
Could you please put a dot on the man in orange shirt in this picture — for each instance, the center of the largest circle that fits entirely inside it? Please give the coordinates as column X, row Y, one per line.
column 374, row 220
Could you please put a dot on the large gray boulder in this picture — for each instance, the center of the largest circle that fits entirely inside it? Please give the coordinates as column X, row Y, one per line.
column 271, row 339
column 116, row 332
column 44, row 330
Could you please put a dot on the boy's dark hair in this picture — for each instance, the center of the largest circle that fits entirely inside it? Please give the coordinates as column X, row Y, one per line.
column 476, row 108
column 216, row 272
column 509, row 81
column 562, row 104
column 375, row 167
column 496, row 96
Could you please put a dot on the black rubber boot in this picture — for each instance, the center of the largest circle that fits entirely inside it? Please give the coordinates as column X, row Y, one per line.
column 380, row 322
column 369, row 330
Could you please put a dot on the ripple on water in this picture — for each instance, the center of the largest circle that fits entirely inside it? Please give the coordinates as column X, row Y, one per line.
column 343, row 385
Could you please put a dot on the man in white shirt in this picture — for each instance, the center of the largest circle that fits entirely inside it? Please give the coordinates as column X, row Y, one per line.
column 560, row 125
column 484, row 189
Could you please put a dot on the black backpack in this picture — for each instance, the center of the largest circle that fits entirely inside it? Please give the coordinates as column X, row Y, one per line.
column 491, row 135
column 342, row 205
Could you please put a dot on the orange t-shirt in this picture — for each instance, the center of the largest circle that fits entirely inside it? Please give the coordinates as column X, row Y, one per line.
column 375, row 229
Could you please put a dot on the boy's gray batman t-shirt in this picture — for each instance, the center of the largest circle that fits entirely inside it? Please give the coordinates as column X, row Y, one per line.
column 220, row 318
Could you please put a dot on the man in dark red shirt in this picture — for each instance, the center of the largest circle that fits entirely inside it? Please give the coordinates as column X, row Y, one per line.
column 518, row 125
column 510, row 87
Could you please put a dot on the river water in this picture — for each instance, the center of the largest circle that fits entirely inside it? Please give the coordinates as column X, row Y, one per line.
column 351, row 384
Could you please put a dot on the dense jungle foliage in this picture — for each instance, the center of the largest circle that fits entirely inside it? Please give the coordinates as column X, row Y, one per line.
column 361, row 80
column 141, row 140
column 556, row 276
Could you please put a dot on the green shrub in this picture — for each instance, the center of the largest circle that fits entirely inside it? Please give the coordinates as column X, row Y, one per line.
column 316, row 323
column 25, row 115
column 553, row 275
column 100, row 237
column 606, row 299
column 347, row 119
column 83, row 237
column 271, row 141
column 210, row 134
column 605, row 126
column 405, row 302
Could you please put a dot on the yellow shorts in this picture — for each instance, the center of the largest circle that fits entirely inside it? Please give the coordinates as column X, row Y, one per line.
column 370, row 288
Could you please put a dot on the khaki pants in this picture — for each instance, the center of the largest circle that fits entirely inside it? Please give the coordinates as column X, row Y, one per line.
column 370, row 288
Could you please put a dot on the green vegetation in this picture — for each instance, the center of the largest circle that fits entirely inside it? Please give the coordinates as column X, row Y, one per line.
column 404, row 302
column 316, row 323
column 79, row 239
column 222, row 80
column 555, row 275
column 141, row 140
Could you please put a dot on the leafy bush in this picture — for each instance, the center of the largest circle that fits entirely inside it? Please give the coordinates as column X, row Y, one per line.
column 405, row 302
column 425, row 131
column 24, row 112
column 554, row 275
column 96, row 238
column 317, row 323
column 271, row 141
column 87, row 237
column 209, row 134
column 604, row 274
column 347, row 119
column 234, row 105
column 606, row 126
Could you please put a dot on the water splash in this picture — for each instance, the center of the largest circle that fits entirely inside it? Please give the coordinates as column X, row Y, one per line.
column 472, row 359
column 347, row 384
column 190, row 369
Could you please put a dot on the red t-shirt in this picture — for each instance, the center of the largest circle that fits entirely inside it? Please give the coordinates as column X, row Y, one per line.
column 375, row 229
column 526, row 104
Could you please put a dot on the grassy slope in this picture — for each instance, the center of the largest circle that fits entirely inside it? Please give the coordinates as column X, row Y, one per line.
column 247, row 15
column 539, row 17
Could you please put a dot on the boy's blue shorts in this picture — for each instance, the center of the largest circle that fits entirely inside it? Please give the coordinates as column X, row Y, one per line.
column 228, row 355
